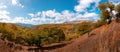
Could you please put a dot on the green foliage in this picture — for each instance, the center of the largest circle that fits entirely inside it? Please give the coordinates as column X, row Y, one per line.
column 102, row 6
column 104, row 15
column 110, row 5
column 86, row 27
column 70, row 37
column 118, row 15
column 44, row 35
column 98, row 24
column 83, row 28
column 27, row 36
column 117, row 8
column 108, row 14
column 50, row 35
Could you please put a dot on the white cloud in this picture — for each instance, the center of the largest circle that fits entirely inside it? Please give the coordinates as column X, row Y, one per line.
column 84, row 4
column 14, row 2
column 86, row 16
column 115, row 1
column 4, row 17
column 35, row 15
column 17, row 3
column 31, row 14
column 2, row 6
column 19, row 19
column 89, row 15
column 50, row 13
column 51, row 16
column 4, row 14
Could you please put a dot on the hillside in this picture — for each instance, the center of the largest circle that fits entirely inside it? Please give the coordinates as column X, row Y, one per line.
column 65, row 27
column 24, row 25
column 102, row 39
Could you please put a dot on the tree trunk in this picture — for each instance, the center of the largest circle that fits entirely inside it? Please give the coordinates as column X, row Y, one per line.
column 118, row 19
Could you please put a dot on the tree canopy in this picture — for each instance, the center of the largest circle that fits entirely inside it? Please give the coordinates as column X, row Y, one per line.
column 107, row 11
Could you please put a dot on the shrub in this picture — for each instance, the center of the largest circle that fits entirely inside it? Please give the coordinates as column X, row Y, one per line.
column 83, row 28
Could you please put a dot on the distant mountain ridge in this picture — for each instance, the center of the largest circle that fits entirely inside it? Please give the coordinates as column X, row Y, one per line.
column 77, row 22
column 25, row 25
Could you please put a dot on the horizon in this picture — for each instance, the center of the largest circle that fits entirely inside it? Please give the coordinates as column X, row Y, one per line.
column 37, row 12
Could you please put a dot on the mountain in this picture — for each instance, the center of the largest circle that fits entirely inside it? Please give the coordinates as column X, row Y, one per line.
column 25, row 25
column 77, row 22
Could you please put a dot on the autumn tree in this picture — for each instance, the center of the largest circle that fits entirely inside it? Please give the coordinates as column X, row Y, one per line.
column 106, row 11
column 83, row 28
column 117, row 9
column 102, row 6
column 51, row 34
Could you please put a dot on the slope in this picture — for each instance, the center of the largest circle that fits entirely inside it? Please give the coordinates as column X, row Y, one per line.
column 103, row 39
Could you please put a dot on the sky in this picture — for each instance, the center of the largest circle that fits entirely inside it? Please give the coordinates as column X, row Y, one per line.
column 49, row 11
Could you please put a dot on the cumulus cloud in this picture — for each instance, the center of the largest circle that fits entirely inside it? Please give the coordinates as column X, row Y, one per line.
column 52, row 16
column 4, row 13
column 116, row 2
column 49, row 17
column 17, row 3
column 84, row 4
column 4, row 16
column 19, row 20
column 31, row 15
column 2, row 6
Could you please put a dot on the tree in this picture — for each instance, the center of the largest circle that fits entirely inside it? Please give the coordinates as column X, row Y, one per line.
column 50, row 35
column 102, row 6
column 117, row 8
column 84, row 27
column 105, row 13
column 110, row 5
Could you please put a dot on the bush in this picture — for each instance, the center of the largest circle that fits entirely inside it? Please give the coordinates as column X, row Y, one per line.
column 98, row 24
column 83, row 28
column 70, row 37
column 50, row 35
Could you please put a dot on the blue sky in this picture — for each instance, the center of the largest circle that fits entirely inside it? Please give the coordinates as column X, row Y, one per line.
column 49, row 11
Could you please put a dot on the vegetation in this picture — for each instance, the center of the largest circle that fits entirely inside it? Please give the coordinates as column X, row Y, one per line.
column 107, row 11
column 83, row 28
column 50, row 35
column 86, row 27
column 27, row 36
column 117, row 8
column 47, row 34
